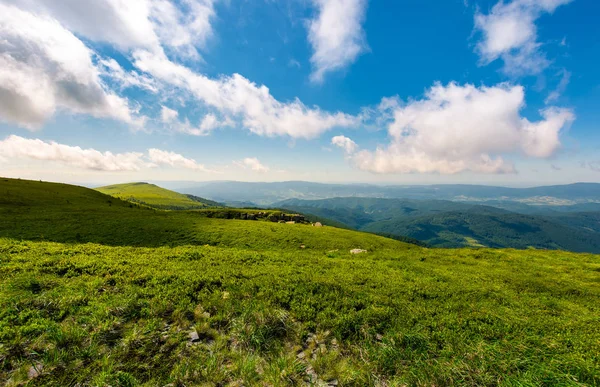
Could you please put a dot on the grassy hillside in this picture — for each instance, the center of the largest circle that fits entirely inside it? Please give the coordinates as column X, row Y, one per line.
column 182, row 299
column 42, row 211
column 452, row 224
column 155, row 196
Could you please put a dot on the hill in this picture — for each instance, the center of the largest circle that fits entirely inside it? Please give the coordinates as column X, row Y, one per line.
column 144, row 297
column 33, row 210
column 157, row 197
column 455, row 224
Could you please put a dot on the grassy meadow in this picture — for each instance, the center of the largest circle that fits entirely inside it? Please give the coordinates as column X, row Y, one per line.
column 156, row 197
column 95, row 291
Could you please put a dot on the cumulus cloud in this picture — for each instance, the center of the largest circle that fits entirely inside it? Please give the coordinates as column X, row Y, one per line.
column 237, row 97
column 168, row 115
column 462, row 128
column 161, row 157
column 44, row 67
column 208, row 123
column 15, row 147
column 252, row 163
column 183, row 29
column 130, row 24
column 345, row 143
column 509, row 32
column 336, row 35
column 19, row 148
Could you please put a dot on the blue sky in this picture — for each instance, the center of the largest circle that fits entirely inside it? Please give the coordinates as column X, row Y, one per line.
column 450, row 91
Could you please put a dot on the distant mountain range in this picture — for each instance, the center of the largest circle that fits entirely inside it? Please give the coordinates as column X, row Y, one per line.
column 269, row 193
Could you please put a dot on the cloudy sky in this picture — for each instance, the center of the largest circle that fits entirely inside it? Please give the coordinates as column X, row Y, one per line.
column 437, row 91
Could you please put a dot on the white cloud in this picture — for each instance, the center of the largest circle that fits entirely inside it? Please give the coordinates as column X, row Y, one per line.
column 19, row 148
column 208, row 123
column 509, row 32
column 235, row 96
column 565, row 78
column 44, row 67
column 161, row 157
column 112, row 69
column 168, row 115
column 15, row 147
column 345, row 143
column 130, row 24
column 336, row 35
column 460, row 128
column 183, row 29
column 252, row 163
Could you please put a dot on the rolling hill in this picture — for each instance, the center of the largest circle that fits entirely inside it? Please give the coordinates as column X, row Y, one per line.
column 456, row 224
column 157, row 197
column 99, row 291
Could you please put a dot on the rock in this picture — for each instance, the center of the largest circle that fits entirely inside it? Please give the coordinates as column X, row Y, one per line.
column 379, row 337
column 317, row 224
column 333, row 382
column 194, row 338
column 357, row 251
column 302, row 246
column 290, row 222
column 35, row 371
column 312, row 375
column 301, row 355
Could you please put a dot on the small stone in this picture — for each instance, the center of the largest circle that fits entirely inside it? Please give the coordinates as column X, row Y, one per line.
column 317, row 224
column 194, row 338
column 302, row 246
column 357, row 251
column 379, row 337
column 35, row 371
column 301, row 355
column 333, row 382
column 312, row 375
column 291, row 222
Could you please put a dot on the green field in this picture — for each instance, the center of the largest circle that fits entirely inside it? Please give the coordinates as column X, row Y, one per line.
column 155, row 196
column 95, row 291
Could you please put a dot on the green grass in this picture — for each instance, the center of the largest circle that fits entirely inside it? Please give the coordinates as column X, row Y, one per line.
column 155, row 196
column 275, row 304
